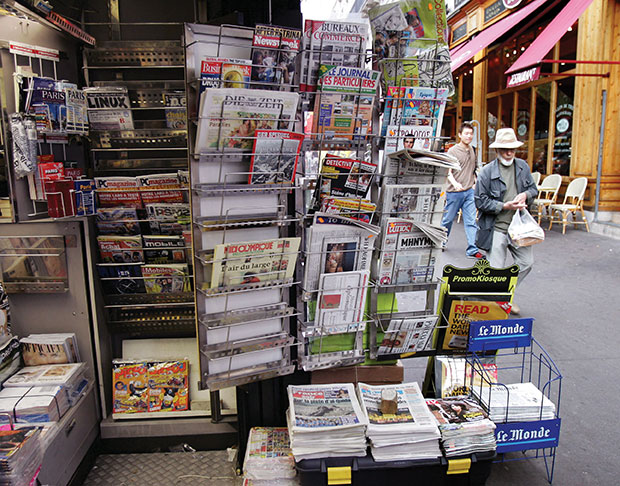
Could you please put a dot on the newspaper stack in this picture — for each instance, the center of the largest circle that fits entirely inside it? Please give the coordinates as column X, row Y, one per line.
column 411, row 433
column 465, row 427
column 420, row 166
column 519, row 402
column 268, row 458
column 20, row 456
column 326, row 421
column 34, row 404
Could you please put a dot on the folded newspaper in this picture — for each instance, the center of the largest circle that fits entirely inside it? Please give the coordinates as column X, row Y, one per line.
column 518, row 402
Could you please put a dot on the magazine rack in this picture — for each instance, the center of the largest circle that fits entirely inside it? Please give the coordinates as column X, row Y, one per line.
column 243, row 322
column 520, row 359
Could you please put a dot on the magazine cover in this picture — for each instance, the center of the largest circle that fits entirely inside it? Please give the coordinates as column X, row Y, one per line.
column 77, row 110
column 168, row 219
column 341, row 301
column 168, row 386
column 324, row 406
column 274, row 50
column 343, row 177
column 164, row 248
column 229, row 117
column 422, row 106
column 331, row 42
column 109, row 108
column 254, row 261
column 407, row 335
column 49, row 106
column 117, row 221
column 121, row 279
column 118, row 191
column 417, row 202
column 130, row 381
column 275, row 156
column 351, row 207
column 37, row 353
column 455, row 410
column 166, row 278
column 174, row 107
column 407, row 254
column 159, row 188
column 399, row 137
column 120, row 249
column 211, row 72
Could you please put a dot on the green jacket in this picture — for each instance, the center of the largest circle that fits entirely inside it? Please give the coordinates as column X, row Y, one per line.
column 489, row 196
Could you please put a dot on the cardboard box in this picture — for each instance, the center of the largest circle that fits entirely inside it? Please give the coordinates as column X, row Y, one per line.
column 371, row 375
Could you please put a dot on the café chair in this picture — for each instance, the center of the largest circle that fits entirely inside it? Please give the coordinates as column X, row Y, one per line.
column 547, row 193
column 573, row 202
column 536, row 177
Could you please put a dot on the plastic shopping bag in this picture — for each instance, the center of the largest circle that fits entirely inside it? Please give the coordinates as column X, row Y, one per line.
column 524, row 230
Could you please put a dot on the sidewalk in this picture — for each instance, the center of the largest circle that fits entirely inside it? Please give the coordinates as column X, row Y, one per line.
column 573, row 293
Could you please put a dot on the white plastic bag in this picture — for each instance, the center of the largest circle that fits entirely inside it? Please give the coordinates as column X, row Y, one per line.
column 524, row 230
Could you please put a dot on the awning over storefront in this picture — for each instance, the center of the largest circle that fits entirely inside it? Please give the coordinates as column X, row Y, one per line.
column 464, row 53
column 550, row 36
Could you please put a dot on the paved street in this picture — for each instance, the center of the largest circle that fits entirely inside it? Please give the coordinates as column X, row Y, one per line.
column 572, row 293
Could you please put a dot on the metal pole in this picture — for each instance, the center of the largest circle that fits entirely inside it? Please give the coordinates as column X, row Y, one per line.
column 599, row 168
column 478, row 134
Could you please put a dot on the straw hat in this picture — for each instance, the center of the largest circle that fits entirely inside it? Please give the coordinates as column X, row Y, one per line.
column 506, row 138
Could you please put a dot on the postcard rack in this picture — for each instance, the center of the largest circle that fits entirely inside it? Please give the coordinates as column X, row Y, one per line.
column 243, row 302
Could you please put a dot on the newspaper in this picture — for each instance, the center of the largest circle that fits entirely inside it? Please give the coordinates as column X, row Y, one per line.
column 412, row 165
column 453, row 375
column 351, row 207
column 418, row 202
column 275, row 156
column 274, row 52
column 254, row 261
column 330, row 42
column 399, row 137
column 229, row 117
column 336, row 244
column 341, row 301
column 517, row 402
column 407, row 335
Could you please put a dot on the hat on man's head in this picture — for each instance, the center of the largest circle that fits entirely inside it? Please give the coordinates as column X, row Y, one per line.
column 506, row 138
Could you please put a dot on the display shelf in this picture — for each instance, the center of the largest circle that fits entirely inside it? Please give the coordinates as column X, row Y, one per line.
column 236, row 289
column 149, row 300
column 156, row 425
column 144, row 139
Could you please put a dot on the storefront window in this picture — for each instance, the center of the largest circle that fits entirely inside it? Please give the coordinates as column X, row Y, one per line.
column 541, row 128
column 507, row 109
column 495, row 71
column 468, row 88
column 492, row 125
column 523, row 121
column 563, row 127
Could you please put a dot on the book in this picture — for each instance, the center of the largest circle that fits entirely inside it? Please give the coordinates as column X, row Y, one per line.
column 168, row 219
column 160, row 188
column 407, row 254
column 120, row 249
column 344, row 102
column 274, row 52
column 229, row 117
column 254, row 261
column 407, row 334
column 130, row 381
column 168, row 385
column 331, row 42
column 118, row 221
column 166, row 278
column 175, row 110
column 343, row 177
column 163, row 249
column 336, row 244
column 121, row 279
column 274, row 157
column 109, row 108
column 46, row 171
column 118, row 191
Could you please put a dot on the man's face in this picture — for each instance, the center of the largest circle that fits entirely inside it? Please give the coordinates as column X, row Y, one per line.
column 408, row 143
column 506, row 154
column 467, row 135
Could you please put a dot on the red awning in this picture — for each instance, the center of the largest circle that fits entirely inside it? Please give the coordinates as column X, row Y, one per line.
column 468, row 50
column 551, row 35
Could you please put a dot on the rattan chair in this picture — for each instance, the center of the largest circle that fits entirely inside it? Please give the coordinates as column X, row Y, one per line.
column 536, row 177
column 573, row 202
column 547, row 193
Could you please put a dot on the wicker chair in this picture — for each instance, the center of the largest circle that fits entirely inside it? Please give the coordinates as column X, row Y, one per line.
column 547, row 193
column 573, row 202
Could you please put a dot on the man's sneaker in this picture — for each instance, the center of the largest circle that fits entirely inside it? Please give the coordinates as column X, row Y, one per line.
column 476, row 256
column 515, row 310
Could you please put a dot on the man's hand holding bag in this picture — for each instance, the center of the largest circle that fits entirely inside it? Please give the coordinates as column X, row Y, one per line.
column 524, row 230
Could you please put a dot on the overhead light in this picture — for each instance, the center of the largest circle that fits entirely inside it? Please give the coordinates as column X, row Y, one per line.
column 470, row 71
column 508, row 54
column 522, row 48
column 570, row 29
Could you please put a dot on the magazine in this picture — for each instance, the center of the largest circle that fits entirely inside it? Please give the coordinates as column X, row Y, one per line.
column 175, row 109
column 343, row 177
column 211, row 72
column 351, row 207
column 160, row 188
column 166, row 278
column 254, row 261
column 331, row 42
column 118, row 191
column 274, row 52
column 421, row 106
column 407, row 254
column 341, row 302
column 168, row 386
column 344, row 103
column 121, row 279
column 164, row 249
column 49, row 107
column 118, row 221
column 407, row 335
column 229, row 117
column 120, row 249
column 168, row 219
column 418, row 202
column 109, row 108
column 130, row 382
column 77, row 110
column 40, row 349
column 336, row 244
column 275, row 156
column 453, row 375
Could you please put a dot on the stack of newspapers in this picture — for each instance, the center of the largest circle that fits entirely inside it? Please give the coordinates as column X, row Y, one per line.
column 20, row 456
column 326, row 421
column 409, row 434
column 465, row 427
column 268, row 458
column 34, row 404
column 518, row 402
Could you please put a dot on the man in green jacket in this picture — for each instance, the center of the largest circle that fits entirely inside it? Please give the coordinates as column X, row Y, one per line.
column 504, row 186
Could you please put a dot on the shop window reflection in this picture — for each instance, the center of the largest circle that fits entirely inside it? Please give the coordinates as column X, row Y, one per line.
column 492, row 126
column 563, row 136
column 541, row 128
column 522, row 128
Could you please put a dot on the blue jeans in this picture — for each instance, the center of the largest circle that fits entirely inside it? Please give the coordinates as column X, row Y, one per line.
column 462, row 200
